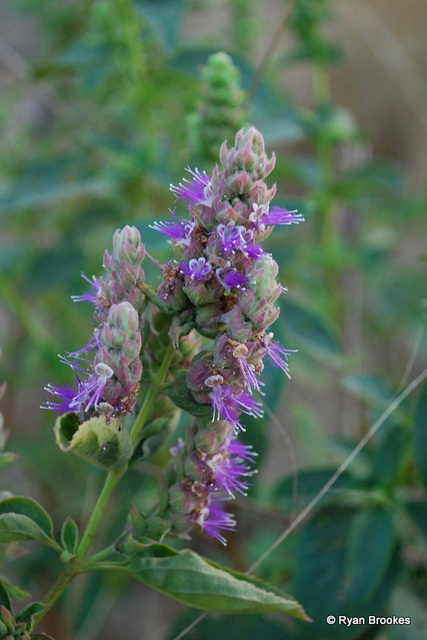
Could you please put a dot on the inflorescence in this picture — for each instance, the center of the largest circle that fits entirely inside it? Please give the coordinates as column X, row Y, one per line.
column 221, row 283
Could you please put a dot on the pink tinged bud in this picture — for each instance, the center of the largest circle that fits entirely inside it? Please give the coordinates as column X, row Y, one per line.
column 245, row 157
column 182, row 499
column 209, row 319
column 127, row 245
column 123, row 317
column 131, row 275
column 237, row 324
column 172, row 296
column 211, row 439
column 239, row 183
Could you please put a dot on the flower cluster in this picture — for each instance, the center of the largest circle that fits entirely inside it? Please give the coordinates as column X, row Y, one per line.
column 223, row 283
column 220, row 284
column 108, row 369
column 209, row 467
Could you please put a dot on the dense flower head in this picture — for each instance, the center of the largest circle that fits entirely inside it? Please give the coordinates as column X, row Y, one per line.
column 222, row 281
column 108, row 369
column 209, row 468
column 218, row 253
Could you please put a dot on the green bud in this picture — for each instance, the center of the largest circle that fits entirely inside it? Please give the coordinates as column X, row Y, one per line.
column 182, row 397
column 106, row 444
column 220, row 113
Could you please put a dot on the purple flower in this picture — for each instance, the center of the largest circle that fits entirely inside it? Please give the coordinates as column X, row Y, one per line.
column 179, row 231
column 197, row 269
column 238, row 238
column 227, row 403
column 89, row 296
column 66, row 396
column 197, row 191
column 229, row 277
column 247, row 370
column 230, row 468
column 213, row 517
column 278, row 215
column 222, row 399
column 248, row 405
column 233, row 237
column 277, row 354
column 90, row 392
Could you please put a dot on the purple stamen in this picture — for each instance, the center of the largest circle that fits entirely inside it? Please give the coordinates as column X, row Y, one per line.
column 197, row 191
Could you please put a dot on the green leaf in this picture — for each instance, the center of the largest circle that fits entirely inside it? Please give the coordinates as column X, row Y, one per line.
column 417, row 510
column 295, row 493
column 70, row 536
column 321, row 576
column 14, row 592
column 26, row 614
column 200, row 583
column 30, row 508
column 224, row 627
column 309, row 329
column 19, row 527
column 24, row 519
column 4, row 597
column 390, row 456
column 372, row 389
column 370, row 549
column 420, row 435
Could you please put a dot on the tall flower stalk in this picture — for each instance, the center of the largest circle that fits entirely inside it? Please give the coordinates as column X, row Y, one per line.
column 145, row 360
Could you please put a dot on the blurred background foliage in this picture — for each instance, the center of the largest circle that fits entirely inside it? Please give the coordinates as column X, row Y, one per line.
column 103, row 105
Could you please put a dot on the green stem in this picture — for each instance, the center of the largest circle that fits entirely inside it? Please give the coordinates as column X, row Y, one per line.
column 111, row 481
column 151, row 397
column 77, row 565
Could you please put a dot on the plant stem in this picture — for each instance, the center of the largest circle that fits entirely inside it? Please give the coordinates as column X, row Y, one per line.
column 77, row 565
column 151, row 396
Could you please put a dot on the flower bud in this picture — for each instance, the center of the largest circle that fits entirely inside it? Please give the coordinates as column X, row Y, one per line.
column 104, row 443
column 127, row 247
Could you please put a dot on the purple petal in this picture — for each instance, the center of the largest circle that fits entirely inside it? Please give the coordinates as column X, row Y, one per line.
column 278, row 215
column 275, row 351
column 213, row 518
column 88, row 296
column 229, row 277
column 179, row 230
column 197, row 269
column 248, row 405
column 66, row 396
column 198, row 190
